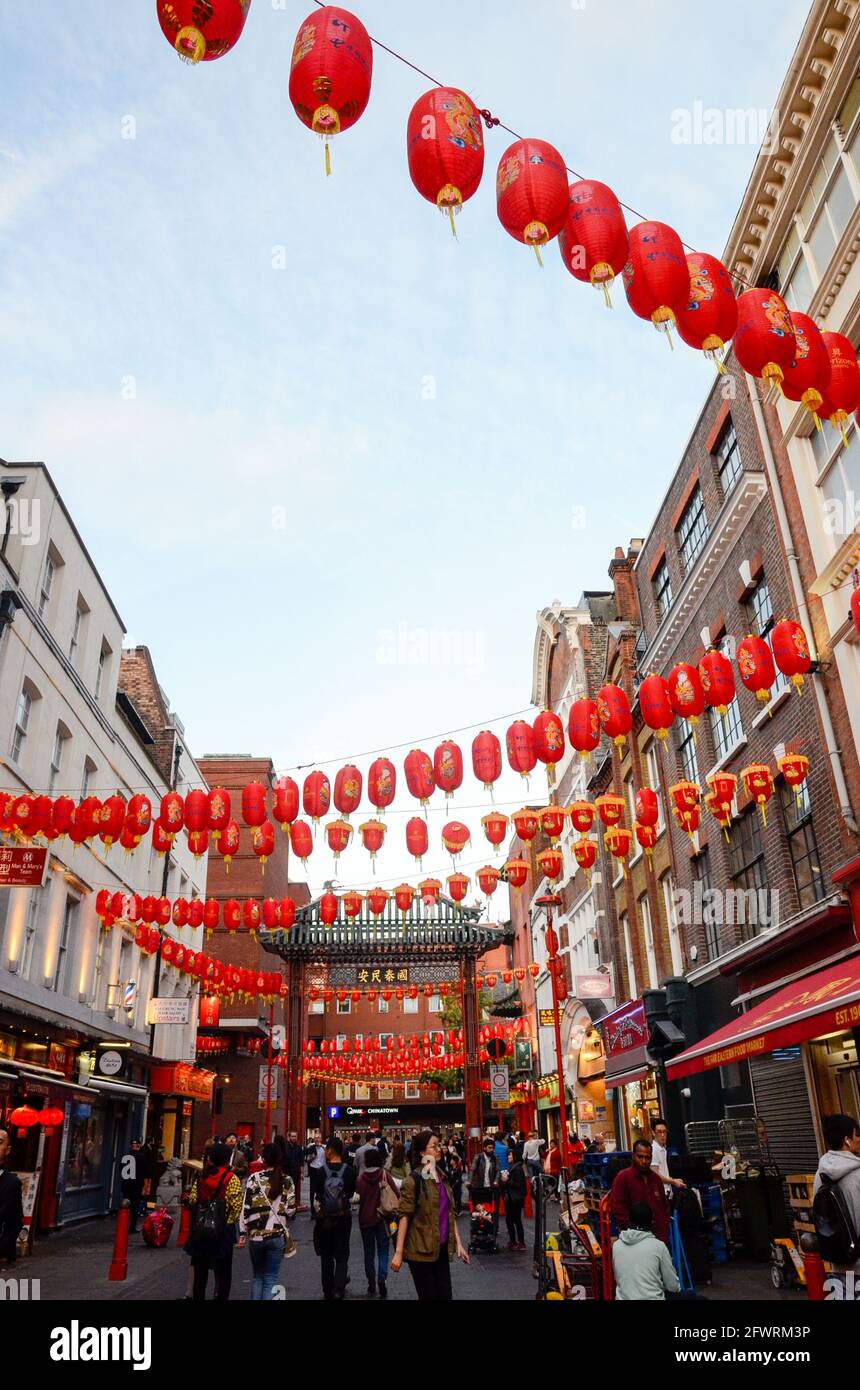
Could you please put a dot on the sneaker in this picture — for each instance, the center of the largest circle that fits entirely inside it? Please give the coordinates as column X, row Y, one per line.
column 383, row 1289
column 512, row 1245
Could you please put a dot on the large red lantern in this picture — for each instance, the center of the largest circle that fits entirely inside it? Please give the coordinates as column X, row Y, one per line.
column 709, row 318
column 458, row 886
column 162, row 840
column 646, row 836
column 654, row 705
column 583, row 727
column 613, row 710
column 23, row 1117
column 686, row 695
column 217, row 813
column 263, row 842
column 316, row 796
column 610, row 808
column 549, row 741
column 347, row 790
column 172, row 813
column 808, row 377
column 686, row 797
column 253, row 804
column 63, row 810
column 581, row 816
column 445, row 148
column 198, row 842
column 488, row 879
column 285, row 802
column 517, row 872
column 331, row 73
column 791, row 651
column 404, row 895
column 525, row 823
column 551, row 863
column 377, row 899
column 429, row 888
column 301, row 840
column 455, row 837
column 112, row 819
column 758, row 782
column 551, row 819
column 197, row 810
column 352, row 903
column 594, row 242
column 656, row 276
column 755, row 665
column 486, row 758
column 619, row 840
column 211, row 915
column 381, row 783
column 448, row 768
column 180, row 912
column 723, row 787
column 338, row 834
column 495, row 827
column 520, row 745
column 794, row 768
column 419, row 775
column 372, row 834
column 202, row 30
column 532, row 193
column 842, row 396
column 138, row 814
column 764, row 341
column 417, row 837
column 227, row 843
column 718, row 680
column 328, row 909
column 251, row 915
column 286, row 913
column 647, row 807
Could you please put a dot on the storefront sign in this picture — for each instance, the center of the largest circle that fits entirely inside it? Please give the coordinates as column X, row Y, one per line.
column 110, row 1061
column 22, row 868
column 168, row 1011
column 382, row 975
column 547, row 1018
column 625, row 1036
column 592, row 987
column 210, row 1011
column 181, row 1079
column 522, row 1055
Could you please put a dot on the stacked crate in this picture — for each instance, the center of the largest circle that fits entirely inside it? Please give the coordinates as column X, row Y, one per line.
column 711, row 1199
column 798, row 1187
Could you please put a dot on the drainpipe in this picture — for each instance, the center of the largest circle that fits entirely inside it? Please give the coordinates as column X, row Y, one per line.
column 802, row 609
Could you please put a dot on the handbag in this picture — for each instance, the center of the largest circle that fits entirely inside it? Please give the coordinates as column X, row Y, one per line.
column 389, row 1200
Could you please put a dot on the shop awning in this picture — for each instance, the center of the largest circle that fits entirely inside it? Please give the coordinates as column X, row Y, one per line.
column 817, row 1004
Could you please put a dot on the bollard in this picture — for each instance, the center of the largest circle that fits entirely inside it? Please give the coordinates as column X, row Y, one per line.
column 119, row 1263
column 813, row 1267
column 184, row 1224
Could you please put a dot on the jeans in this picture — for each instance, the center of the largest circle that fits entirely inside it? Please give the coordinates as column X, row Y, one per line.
column 376, row 1241
column 266, row 1256
column 534, row 1167
column 514, row 1220
column 432, row 1278
column 222, row 1268
column 333, row 1247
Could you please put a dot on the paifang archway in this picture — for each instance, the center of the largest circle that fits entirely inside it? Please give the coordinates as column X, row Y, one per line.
column 442, row 941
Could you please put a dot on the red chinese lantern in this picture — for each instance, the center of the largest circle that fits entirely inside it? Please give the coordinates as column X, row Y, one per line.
column 347, row 790
column 104, row 902
column 286, row 913
column 285, row 802
column 718, row 680
column 331, row 73
column 197, row 810
column 352, row 902
column 376, row 900
column 211, row 915
column 198, row 842
column 445, row 148
column 63, row 809
column 551, row 863
column 517, row 872
column 251, row 915
column 758, row 782
column 534, row 970
column 301, row 840
column 253, row 804
column 51, row 1118
column 618, row 840
column 328, row 909
column 404, row 895
column 263, row 842
column 180, row 912
column 646, row 836
column 202, row 30
column 381, row 783
column 532, row 193
column 217, row 814
column 458, row 886
column 581, row 816
column 488, row 880
column 520, row 745
column 419, row 775
column 720, row 811
column 610, row 808
column 794, row 768
column 227, row 843
column 791, row 651
column 162, row 911
column 316, row 796
column 416, row 837
column 112, row 818
column 549, row 741
column 764, row 340
column 646, row 807
column 656, row 276
column 654, row 705
column 842, row 395
column 613, row 711
column 486, row 759
column 594, row 242
column 495, row 827
column 808, row 377
column 755, row 665
column 709, row 318
column 172, row 813
column 372, row 834
column 551, row 819
column 448, row 768
column 429, row 888
column 138, row 814
column 723, row 787
column 90, row 811
column 686, row 797
column 338, row 834
column 455, row 837
column 525, row 823
column 686, row 695
column 23, row 1117
column 583, row 727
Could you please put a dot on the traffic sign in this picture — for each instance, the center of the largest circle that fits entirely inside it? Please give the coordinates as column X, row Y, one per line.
column 500, row 1085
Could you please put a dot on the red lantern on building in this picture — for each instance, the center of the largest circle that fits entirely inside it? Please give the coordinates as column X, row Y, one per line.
column 583, row 727
column 180, row 912
column 594, row 241
column 420, row 780
column 263, row 842
column 217, row 810
column 520, row 745
column 458, row 886
column 445, row 148
column 377, row 899
column 842, row 395
column 285, row 802
column 495, row 827
column 347, row 790
column 654, row 705
column 613, row 711
column 549, row 741
column 251, row 915
column 581, row 816
column 253, row 804
column 618, row 840
column 723, row 787
column 488, row 879
column 686, row 797
column 755, row 665
column 352, row 902
column 525, row 823
column 328, row 909
column 758, row 782
column 381, row 783
column 338, row 834
column 709, row 318
column 646, row 807
column 656, row 276
column 301, row 840
column 646, row 836
column 372, row 834
column 63, row 810
column 172, row 813
column 417, row 837
column 24, row 1117
column 517, row 872
column 532, row 193
column 202, row 32
column 764, row 342
column 791, row 651
column 794, row 768
column 448, row 768
column 808, row 377
column 720, row 811
column 331, row 73
column 112, row 818
column 718, row 680
column 686, row 693
column 551, row 863
column 211, row 915
column 486, row 758
column 227, row 843
column 163, row 911
column 610, row 808
column 455, row 837
column 551, row 820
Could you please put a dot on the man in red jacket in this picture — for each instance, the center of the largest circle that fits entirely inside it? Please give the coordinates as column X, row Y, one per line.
column 639, row 1183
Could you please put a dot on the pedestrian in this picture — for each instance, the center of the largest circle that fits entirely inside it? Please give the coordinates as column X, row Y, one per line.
column 333, row 1225
column 238, row 1162
column 515, row 1196
column 427, row 1234
column 642, row 1264
column 455, row 1178
column 315, row 1159
column 366, row 1147
column 216, row 1202
column 375, row 1211
column 397, row 1164
column 293, row 1159
column 384, row 1146
column 11, row 1204
column 485, row 1179
column 839, row 1169
column 270, row 1202
column 131, row 1182
column 660, row 1156
column 502, row 1150
column 531, row 1153
column 552, row 1166
column 576, row 1149
column 639, row 1183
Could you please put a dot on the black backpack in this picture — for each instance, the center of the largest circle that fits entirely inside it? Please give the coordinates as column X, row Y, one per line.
column 335, row 1202
column 210, row 1223
column 834, row 1225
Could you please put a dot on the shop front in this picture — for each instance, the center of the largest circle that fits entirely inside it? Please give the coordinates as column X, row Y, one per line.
column 349, row 1118
column 630, row 1076
column 584, row 1074
column 174, row 1088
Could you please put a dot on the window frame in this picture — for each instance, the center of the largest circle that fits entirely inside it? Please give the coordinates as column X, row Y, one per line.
column 693, row 523
column 21, row 726
column 662, row 584
column 721, row 728
column 729, row 459
column 46, row 586
column 800, row 829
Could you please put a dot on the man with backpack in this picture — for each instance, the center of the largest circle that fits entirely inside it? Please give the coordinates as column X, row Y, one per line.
column 836, row 1195
column 333, row 1226
column 216, row 1204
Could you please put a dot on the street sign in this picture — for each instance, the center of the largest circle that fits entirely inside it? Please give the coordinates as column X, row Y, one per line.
column 268, row 1092
column 168, row 1010
column 500, row 1086
column 21, row 867
column 497, row 1048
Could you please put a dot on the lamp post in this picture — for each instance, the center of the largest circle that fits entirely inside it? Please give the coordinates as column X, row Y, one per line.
column 549, row 901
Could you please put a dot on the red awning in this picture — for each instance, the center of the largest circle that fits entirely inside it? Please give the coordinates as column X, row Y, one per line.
column 817, row 1004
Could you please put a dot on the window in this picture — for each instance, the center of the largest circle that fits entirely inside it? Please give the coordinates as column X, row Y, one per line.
column 727, row 729
column 103, row 658
column 663, row 587
column 836, row 470
column 760, row 617
column 410, row 1090
column 437, row 1004
column 342, row 1090
column 31, row 929
column 76, row 630
column 317, row 1006
column 692, row 529
column 729, row 459
column 746, row 855
column 98, row 971
column 22, row 724
column 823, row 215
column 704, row 904
column 802, row 844
column 56, row 759
column 89, row 769
column 667, row 888
column 410, row 1006
column 382, row 1005
column 383, row 1042
column 628, row 956
column 344, row 1006
column 47, row 586
column 69, row 917
column 645, row 919
column 686, row 736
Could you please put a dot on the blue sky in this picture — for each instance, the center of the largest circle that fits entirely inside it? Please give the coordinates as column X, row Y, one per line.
column 292, row 478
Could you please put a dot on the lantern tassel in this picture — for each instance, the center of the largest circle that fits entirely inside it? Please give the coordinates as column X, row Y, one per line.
column 453, row 224
column 607, row 298
column 327, row 160
column 536, row 250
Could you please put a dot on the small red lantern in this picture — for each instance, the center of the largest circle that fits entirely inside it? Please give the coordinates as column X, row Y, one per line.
column 646, row 836
column 263, row 842
column 520, row 746
column 217, row 813
column 381, row 783
column 794, row 768
column 755, row 665
column 251, row 915
column 285, row 802
column 172, row 813
column 686, row 695
column 458, row 886
column 486, row 758
column 138, row 814
column 618, row 840
column 347, row 790
column 417, row 837
column 709, row 319
column 286, row 913
column 647, row 807
column 720, row 811
column 686, row 797
column 455, row 837
column 718, row 680
column 549, row 741
column 301, row 840
column 253, row 804
column 328, row 909
column 228, row 842
column 331, row 73
column 723, row 787
column 338, row 834
column 376, row 900
column 445, row 148
column 180, row 912
column 429, row 888
column 551, row 863
column 202, row 32
column 404, row 896
column 654, row 704
column 198, row 842
column 163, row 911
column 517, row 872
column 656, row 276
column 419, row 775
column 488, row 880
column 448, row 768
column 372, row 834
column 532, row 193
column 525, row 823
column 534, row 970
column 808, row 377
column 758, row 782
column 352, row 902
column 316, row 796
column 211, row 915
column 610, row 808
column 495, row 827
column 842, row 395
column 51, row 1118
column 764, row 340
column 613, row 711
column 581, row 816
column 791, row 651
column 23, row 1117
column 551, row 819
column 594, row 242
column 197, row 810
column 112, row 818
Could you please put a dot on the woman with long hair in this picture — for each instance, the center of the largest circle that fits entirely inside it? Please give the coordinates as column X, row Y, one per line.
column 427, row 1235
column 270, row 1203
column 397, row 1163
